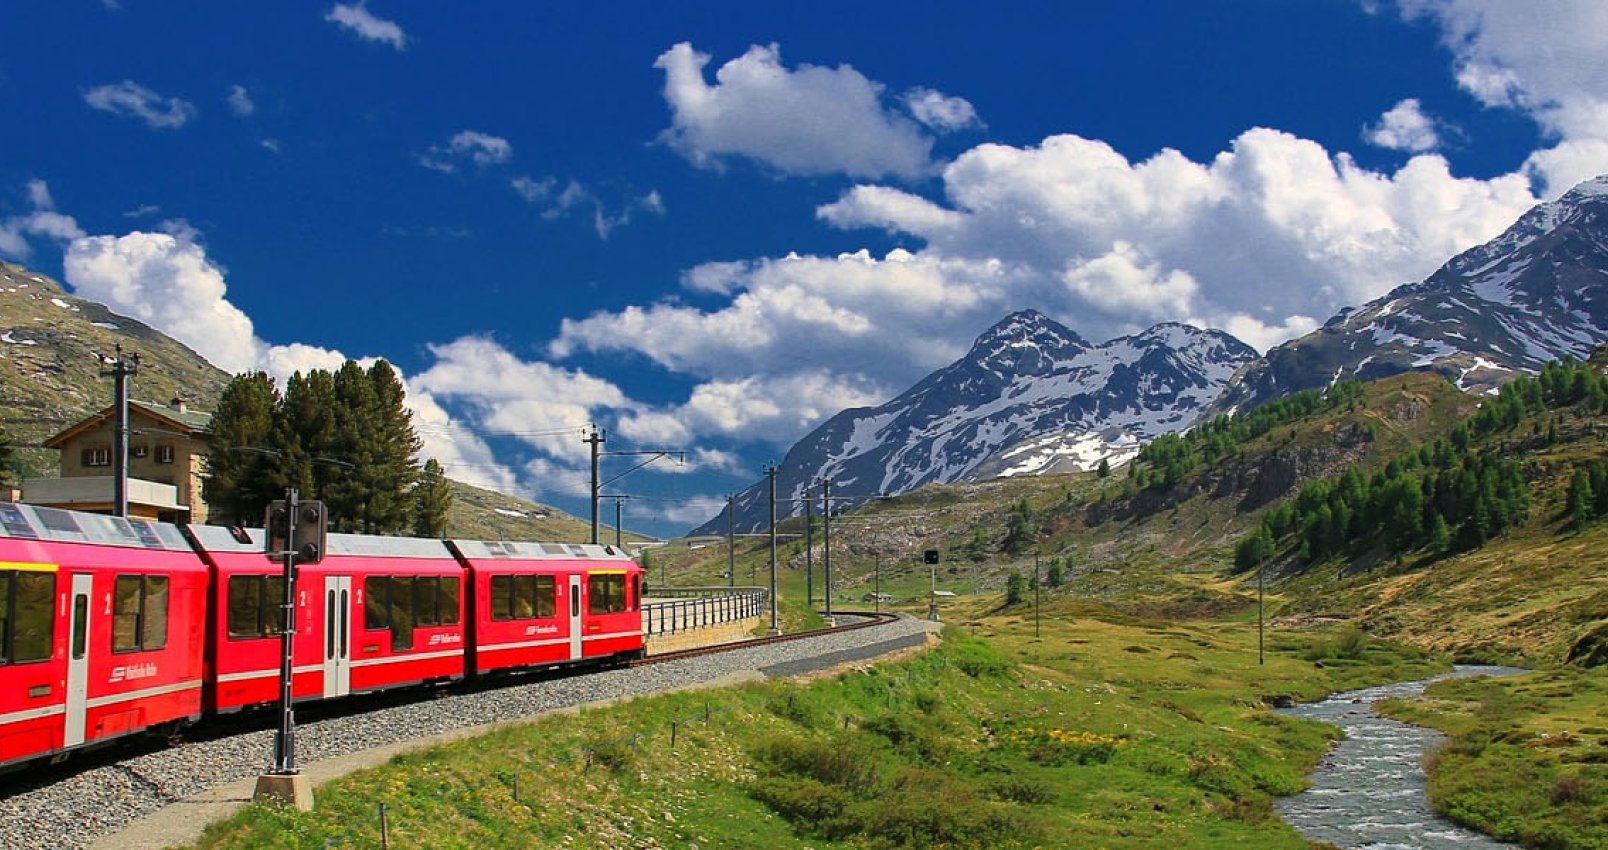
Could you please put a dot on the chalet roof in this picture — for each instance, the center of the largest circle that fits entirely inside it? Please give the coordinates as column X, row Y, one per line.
column 181, row 422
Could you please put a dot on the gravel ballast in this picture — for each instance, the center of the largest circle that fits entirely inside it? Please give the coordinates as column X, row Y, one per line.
column 98, row 803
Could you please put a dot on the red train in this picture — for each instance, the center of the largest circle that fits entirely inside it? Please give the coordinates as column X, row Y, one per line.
column 113, row 626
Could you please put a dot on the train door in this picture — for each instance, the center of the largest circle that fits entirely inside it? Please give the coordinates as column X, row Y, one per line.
column 575, row 616
column 78, row 661
column 337, row 636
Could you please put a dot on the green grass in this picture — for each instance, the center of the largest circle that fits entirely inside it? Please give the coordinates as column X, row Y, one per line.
column 1115, row 732
column 1527, row 758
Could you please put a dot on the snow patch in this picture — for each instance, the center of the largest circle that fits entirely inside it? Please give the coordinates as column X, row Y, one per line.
column 8, row 338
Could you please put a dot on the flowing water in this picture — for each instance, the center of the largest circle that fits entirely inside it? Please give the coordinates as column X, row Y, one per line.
column 1370, row 791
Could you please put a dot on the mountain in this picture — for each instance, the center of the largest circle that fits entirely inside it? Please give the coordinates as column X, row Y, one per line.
column 1029, row 386
column 1536, row 293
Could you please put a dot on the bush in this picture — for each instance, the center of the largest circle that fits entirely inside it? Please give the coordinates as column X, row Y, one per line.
column 826, row 761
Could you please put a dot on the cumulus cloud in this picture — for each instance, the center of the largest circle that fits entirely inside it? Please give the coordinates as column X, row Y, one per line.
column 807, row 121
column 471, row 146
column 168, row 283
column 240, row 102
column 366, row 25
column 1404, row 127
column 1547, row 60
column 940, row 111
column 129, row 99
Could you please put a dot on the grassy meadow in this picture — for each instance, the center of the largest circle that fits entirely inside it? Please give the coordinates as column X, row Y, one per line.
column 1106, row 730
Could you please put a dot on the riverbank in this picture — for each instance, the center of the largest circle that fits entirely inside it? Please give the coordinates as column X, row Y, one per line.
column 1527, row 759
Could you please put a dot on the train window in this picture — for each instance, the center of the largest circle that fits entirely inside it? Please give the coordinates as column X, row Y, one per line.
column 425, row 596
column 605, row 593
column 401, row 612
column 154, row 613
column 449, row 601
column 27, row 606
column 546, row 596
column 254, row 605
column 502, row 597
column 80, row 625
column 376, row 602
column 139, row 613
column 636, row 595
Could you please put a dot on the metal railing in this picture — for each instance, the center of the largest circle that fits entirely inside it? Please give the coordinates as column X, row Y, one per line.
column 698, row 607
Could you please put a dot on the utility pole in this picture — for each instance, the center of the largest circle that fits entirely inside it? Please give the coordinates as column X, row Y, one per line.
column 731, row 540
column 826, row 493
column 595, row 438
column 122, row 368
column 809, row 549
column 1261, row 653
column 770, row 472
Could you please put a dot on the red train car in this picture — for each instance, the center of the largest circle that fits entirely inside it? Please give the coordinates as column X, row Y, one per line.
column 375, row 613
column 547, row 604
column 101, row 629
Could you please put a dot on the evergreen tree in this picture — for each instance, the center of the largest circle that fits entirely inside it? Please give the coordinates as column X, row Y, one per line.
column 1015, row 585
column 8, row 474
column 1104, row 470
column 1020, row 529
column 1056, row 576
column 1582, row 502
column 1440, row 534
column 394, row 472
column 433, row 499
column 237, row 478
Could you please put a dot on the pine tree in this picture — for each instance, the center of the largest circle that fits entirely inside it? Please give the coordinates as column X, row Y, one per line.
column 395, row 472
column 1104, row 470
column 432, row 501
column 1440, row 534
column 1056, row 576
column 1015, row 585
column 237, row 479
column 1582, row 501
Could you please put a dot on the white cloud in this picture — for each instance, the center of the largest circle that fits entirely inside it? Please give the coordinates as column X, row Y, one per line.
column 481, row 149
column 1124, row 283
column 576, row 198
column 940, row 111
column 42, row 221
column 132, row 100
column 167, row 283
column 1404, row 127
column 774, row 408
column 240, row 102
column 812, row 120
column 1547, row 60
column 357, row 18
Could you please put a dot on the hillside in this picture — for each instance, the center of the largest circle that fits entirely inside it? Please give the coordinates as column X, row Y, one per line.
column 50, row 374
column 486, row 515
column 1166, row 549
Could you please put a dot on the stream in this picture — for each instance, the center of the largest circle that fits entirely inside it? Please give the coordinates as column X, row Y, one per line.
column 1370, row 792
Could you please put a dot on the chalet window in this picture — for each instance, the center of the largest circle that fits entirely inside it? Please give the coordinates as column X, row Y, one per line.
column 139, row 451
column 164, row 454
column 97, row 457
column 139, row 613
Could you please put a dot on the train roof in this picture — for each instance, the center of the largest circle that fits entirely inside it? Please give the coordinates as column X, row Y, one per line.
column 509, row 550
column 216, row 538
column 34, row 522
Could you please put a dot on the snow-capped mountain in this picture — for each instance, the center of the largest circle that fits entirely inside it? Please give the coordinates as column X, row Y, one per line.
column 1535, row 293
column 1027, row 378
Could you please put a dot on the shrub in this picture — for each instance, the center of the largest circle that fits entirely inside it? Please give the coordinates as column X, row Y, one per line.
column 826, row 761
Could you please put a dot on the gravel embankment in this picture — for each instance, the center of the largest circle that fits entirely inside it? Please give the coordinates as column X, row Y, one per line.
column 79, row 810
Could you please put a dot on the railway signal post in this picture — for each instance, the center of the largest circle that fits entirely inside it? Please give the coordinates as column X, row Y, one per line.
column 296, row 534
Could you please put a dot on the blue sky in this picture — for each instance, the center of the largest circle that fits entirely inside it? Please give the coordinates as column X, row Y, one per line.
column 710, row 226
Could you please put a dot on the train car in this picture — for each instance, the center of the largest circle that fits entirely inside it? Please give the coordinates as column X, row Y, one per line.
column 374, row 613
column 101, row 629
column 538, row 605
